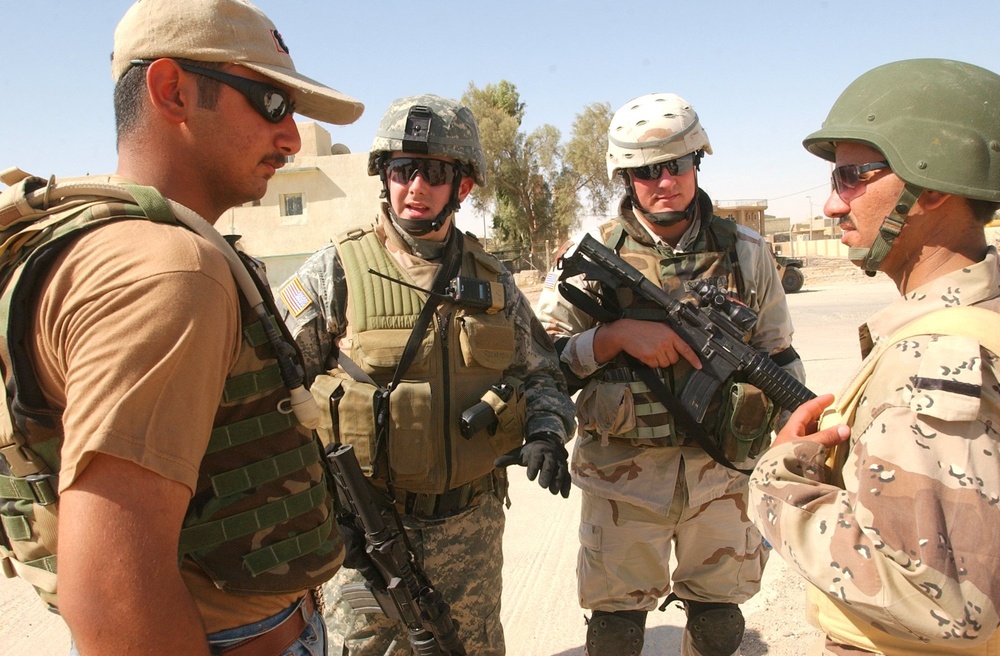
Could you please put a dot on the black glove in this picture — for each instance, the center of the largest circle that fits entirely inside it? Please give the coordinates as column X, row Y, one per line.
column 356, row 555
column 545, row 456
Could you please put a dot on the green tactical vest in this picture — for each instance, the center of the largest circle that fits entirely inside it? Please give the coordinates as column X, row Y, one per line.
column 260, row 521
column 458, row 360
column 712, row 257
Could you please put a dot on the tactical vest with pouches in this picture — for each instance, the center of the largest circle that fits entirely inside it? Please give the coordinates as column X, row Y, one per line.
column 713, row 259
column 455, row 365
column 260, row 520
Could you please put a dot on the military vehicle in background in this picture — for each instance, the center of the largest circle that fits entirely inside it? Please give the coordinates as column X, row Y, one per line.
column 790, row 270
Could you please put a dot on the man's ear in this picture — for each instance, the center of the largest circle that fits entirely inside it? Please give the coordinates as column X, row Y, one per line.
column 465, row 187
column 932, row 200
column 171, row 93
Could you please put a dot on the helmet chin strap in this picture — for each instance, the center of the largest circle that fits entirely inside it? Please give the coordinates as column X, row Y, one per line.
column 871, row 258
column 421, row 227
column 664, row 219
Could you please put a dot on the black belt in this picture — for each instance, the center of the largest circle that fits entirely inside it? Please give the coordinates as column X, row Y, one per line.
column 430, row 506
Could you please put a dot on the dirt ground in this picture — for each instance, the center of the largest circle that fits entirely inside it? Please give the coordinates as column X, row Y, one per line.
column 539, row 609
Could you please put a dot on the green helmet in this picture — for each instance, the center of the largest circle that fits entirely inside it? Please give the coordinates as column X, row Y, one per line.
column 936, row 121
column 430, row 125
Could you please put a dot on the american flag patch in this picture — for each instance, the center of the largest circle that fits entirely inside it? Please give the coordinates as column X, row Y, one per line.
column 295, row 297
column 550, row 280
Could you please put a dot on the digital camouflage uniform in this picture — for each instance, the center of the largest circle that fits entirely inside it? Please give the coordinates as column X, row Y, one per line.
column 641, row 496
column 909, row 545
column 461, row 553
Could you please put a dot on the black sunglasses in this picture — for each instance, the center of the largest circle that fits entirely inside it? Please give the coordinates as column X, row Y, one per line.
column 849, row 176
column 674, row 167
column 270, row 102
column 435, row 172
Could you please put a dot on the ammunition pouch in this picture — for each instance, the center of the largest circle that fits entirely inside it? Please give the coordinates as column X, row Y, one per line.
column 351, row 410
column 746, row 419
column 617, row 405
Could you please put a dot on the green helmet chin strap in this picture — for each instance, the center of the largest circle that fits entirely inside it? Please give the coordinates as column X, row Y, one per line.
column 871, row 258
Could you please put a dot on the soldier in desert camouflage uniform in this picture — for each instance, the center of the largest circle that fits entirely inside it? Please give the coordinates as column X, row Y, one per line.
column 648, row 486
column 447, row 487
column 898, row 530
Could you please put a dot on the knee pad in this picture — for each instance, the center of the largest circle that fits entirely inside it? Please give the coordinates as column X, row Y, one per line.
column 621, row 633
column 716, row 629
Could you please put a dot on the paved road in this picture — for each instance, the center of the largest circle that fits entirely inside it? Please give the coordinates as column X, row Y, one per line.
column 540, row 611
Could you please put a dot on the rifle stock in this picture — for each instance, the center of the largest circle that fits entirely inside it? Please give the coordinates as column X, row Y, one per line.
column 716, row 339
column 405, row 594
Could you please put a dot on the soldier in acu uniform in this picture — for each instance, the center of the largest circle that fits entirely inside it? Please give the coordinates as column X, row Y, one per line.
column 379, row 346
column 649, row 486
column 897, row 530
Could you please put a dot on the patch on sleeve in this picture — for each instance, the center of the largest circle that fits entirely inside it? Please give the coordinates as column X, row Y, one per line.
column 295, row 297
column 949, row 381
column 550, row 279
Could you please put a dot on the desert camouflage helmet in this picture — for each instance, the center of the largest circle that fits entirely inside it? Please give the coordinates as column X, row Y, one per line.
column 936, row 121
column 430, row 125
column 654, row 128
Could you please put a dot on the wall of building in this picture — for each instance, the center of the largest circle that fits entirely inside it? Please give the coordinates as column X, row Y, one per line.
column 337, row 195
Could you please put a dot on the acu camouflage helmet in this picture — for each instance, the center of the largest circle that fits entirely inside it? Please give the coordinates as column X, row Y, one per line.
column 431, row 125
column 936, row 121
column 654, row 128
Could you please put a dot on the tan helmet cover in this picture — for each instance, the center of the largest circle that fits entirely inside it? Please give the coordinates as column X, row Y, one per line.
column 654, row 128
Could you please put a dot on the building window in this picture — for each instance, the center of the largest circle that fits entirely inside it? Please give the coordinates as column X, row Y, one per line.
column 292, row 205
column 293, row 209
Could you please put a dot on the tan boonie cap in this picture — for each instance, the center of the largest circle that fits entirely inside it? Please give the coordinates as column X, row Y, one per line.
column 229, row 31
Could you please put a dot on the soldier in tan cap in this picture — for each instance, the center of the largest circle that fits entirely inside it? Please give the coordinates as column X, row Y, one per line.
column 655, row 481
column 430, row 357
column 896, row 529
column 155, row 420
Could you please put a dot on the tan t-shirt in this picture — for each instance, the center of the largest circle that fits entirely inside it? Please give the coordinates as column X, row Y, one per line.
column 136, row 329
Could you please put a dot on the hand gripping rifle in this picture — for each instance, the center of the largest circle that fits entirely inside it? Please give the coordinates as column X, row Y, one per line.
column 405, row 593
column 708, row 329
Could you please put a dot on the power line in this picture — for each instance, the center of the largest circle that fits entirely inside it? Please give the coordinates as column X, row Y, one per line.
column 822, row 186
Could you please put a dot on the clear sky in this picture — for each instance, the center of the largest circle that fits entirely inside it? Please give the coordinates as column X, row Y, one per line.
column 761, row 75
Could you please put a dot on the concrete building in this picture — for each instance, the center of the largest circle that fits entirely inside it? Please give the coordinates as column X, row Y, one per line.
column 322, row 192
column 745, row 212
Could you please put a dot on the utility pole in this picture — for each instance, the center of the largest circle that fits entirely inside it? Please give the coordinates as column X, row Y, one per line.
column 809, row 198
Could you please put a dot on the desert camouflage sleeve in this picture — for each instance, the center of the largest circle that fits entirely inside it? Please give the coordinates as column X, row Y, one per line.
column 764, row 295
column 310, row 304
column 911, row 545
column 549, row 407
column 568, row 325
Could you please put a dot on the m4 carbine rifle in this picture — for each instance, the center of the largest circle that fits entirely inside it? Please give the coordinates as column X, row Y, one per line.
column 707, row 329
column 405, row 593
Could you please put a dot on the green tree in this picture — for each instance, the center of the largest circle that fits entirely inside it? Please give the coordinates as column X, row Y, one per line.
column 585, row 156
column 536, row 185
column 521, row 170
